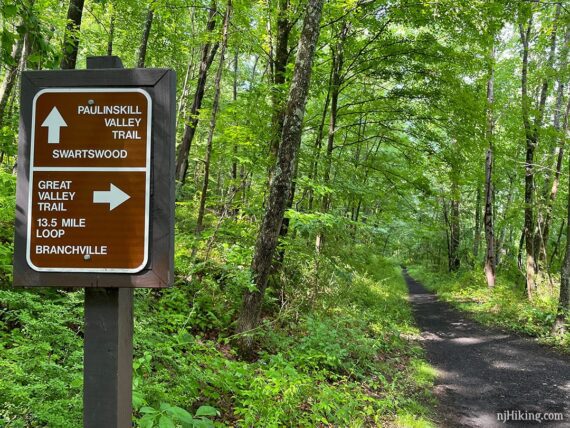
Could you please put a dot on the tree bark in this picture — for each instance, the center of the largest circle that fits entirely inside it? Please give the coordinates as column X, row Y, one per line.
column 477, row 233
column 141, row 58
column 501, row 240
column 208, row 53
column 447, row 234
column 10, row 76
column 280, row 186
column 215, row 107
column 490, row 256
column 71, row 36
column 111, row 35
column 234, row 169
column 528, row 232
column 561, row 324
column 454, row 229
column 279, row 75
column 278, row 91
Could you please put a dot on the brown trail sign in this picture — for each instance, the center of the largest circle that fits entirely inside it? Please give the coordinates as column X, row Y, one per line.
column 90, row 180
column 95, row 197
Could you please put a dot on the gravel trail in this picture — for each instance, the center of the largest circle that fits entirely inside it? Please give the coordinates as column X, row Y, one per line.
column 483, row 372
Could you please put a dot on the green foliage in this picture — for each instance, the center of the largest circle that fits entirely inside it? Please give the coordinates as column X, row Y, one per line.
column 167, row 416
column 41, row 358
column 7, row 209
column 333, row 363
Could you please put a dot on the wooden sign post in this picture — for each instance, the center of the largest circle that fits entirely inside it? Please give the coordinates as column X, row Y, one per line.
column 95, row 207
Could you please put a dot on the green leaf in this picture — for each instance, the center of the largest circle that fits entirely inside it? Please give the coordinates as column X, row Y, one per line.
column 180, row 414
column 206, row 411
column 164, row 406
column 147, row 409
column 147, row 421
column 138, row 399
column 76, row 383
column 202, row 423
column 9, row 10
column 165, row 422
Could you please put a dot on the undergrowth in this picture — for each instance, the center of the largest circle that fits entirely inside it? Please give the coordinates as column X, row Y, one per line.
column 349, row 362
column 336, row 345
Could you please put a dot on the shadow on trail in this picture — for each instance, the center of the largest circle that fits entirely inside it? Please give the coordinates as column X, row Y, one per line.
column 484, row 371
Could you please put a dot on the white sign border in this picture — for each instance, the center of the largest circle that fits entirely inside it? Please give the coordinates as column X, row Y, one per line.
column 147, row 181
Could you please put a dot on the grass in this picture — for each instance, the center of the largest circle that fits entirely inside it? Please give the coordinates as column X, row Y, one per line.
column 505, row 306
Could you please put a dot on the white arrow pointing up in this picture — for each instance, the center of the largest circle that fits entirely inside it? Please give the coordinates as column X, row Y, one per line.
column 54, row 122
column 114, row 197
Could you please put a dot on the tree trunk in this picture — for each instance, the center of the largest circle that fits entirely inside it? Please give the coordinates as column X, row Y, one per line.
column 357, row 211
column 528, row 230
column 10, row 76
column 286, row 220
column 215, row 106
column 71, row 36
column 454, row 239
column 278, row 91
column 531, row 267
column 279, row 74
column 183, row 101
column 280, row 186
column 20, row 52
column 337, row 64
column 207, row 57
column 490, row 256
column 501, row 240
column 447, row 234
column 111, row 35
column 183, row 97
column 477, row 233
column 144, row 38
column 561, row 324
column 234, row 169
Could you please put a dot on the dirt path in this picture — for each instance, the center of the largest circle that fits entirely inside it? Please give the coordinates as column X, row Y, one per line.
column 484, row 371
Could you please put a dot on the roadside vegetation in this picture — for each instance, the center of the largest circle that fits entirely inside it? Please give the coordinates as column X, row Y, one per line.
column 506, row 306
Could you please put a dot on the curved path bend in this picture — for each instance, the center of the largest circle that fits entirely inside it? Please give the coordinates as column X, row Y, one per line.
column 483, row 372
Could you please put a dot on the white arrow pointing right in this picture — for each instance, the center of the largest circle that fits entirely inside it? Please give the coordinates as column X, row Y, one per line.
column 54, row 122
column 114, row 197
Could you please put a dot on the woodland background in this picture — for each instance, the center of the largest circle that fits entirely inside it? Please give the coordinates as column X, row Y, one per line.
column 316, row 152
